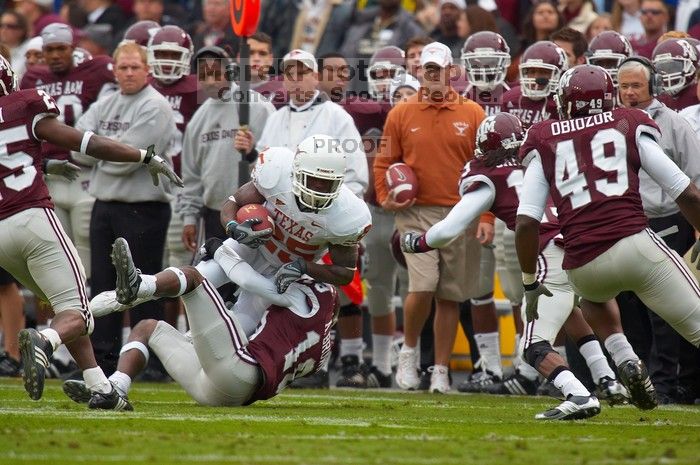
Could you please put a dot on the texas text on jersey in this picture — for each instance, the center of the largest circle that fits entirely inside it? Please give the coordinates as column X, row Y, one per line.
column 21, row 182
column 288, row 345
column 529, row 111
column 300, row 233
column 592, row 164
column 74, row 91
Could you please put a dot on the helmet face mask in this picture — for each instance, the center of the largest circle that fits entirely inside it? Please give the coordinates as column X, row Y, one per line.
column 486, row 57
column 540, row 69
column 386, row 64
column 676, row 61
column 169, row 54
column 609, row 61
column 318, row 171
column 607, row 50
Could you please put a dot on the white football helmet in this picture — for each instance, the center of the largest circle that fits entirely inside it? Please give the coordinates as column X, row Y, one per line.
column 318, row 158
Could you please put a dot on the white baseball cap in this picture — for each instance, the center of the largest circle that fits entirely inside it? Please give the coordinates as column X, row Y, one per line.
column 461, row 4
column 436, row 53
column 35, row 43
column 302, row 57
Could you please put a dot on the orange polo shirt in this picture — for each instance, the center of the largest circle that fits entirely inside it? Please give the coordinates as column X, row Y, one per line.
column 436, row 140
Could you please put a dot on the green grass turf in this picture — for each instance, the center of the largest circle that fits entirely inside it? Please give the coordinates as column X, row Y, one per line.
column 336, row 427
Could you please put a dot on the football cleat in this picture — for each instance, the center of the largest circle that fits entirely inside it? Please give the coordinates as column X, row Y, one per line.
column 128, row 276
column 9, row 367
column 612, row 391
column 377, row 379
column 406, row 372
column 635, row 377
column 35, row 351
column 111, row 401
column 77, row 391
column 479, row 382
column 573, row 408
column 514, row 385
column 439, row 380
column 318, row 380
column 352, row 374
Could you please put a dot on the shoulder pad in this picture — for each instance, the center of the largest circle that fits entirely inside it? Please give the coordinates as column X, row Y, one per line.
column 271, row 165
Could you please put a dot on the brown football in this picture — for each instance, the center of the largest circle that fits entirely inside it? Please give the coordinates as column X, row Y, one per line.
column 255, row 211
column 401, row 179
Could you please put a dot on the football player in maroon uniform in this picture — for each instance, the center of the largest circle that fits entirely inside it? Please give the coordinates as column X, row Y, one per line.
column 141, row 32
column 676, row 61
column 486, row 58
column 589, row 164
column 540, row 68
column 219, row 365
column 607, row 50
column 34, row 247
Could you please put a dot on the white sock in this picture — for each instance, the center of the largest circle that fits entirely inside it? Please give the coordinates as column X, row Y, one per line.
column 121, row 381
column 517, row 358
column 490, row 352
column 619, row 348
column 561, row 350
column 381, row 352
column 147, row 288
column 527, row 371
column 568, row 384
column 52, row 336
column 95, row 380
column 352, row 346
column 596, row 361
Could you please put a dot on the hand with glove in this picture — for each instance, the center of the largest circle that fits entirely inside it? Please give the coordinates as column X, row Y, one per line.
column 62, row 168
column 243, row 233
column 156, row 165
column 533, row 292
column 288, row 273
column 695, row 251
column 414, row 242
column 210, row 247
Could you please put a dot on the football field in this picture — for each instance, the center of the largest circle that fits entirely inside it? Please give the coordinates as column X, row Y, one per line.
column 336, row 427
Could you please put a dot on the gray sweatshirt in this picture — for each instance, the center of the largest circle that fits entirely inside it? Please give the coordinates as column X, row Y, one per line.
column 138, row 120
column 680, row 143
column 209, row 161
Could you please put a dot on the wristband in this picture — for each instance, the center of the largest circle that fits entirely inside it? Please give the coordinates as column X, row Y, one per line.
column 531, row 287
column 143, row 155
column 84, row 143
column 228, row 225
column 529, row 278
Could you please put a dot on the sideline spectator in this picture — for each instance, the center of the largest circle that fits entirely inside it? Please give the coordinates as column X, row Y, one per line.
column 626, row 18
column 655, row 18
column 14, row 34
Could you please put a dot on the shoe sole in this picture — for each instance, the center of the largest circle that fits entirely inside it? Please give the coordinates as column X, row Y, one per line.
column 578, row 415
column 32, row 375
column 636, row 384
column 77, row 391
column 122, row 261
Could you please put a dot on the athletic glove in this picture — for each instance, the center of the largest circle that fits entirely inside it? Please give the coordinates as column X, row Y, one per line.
column 243, row 233
column 156, row 165
column 694, row 254
column 532, row 295
column 210, row 247
column 62, row 168
column 288, row 273
column 414, row 242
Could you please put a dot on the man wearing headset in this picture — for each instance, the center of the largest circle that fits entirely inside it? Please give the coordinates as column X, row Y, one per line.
column 638, row 87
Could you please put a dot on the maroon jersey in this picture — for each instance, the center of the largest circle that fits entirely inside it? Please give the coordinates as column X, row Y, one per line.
column 74, row 91
column 287, row 345
column 274, row 90
column 21, row 182
column 527, row 110
column 489, row 100
column 182, row 96
column 367, row 114
column 685, row 98
column 592, row 165
column 506, row 180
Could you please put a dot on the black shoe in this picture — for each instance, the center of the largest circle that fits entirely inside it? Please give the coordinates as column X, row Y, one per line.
column 318, row 380
column 573, row 408
column 60, row 370
column 111, row 401
column 635, row 377
column 479, row 382
column 77, row 391
column 36, row 351
column 128, row 276
column 377, row 379
column 515, row 385
column 550, row 390
column 352, row 376
column 612, row 391
column 9, row 367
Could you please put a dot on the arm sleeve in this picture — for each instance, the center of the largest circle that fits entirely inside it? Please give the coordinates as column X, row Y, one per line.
column 467, row 209
column 388, row 152
column 357, row 174
column 661, row 168
column 191, row 202
column 533, row 197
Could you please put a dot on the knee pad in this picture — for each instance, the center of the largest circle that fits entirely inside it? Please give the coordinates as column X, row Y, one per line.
column 535, row 353
column 140, row 346
column 350, row 310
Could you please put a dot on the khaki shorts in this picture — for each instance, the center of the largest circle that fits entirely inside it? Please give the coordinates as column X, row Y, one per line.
column 452, row 273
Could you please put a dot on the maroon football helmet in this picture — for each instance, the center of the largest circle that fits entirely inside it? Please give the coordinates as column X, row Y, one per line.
column 676, row 61
column 8, row 78
column 499, row 131
column 543, row 55
column 141, row 32
column 80, row 56
column 169, row 54
column 585, row 90
column 486, row 57
column 607, row 50
column 390, row 59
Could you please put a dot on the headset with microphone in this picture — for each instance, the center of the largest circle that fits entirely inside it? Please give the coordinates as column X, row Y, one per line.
column 655, row 80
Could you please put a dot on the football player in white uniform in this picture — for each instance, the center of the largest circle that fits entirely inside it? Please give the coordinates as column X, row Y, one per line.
column 312, row 211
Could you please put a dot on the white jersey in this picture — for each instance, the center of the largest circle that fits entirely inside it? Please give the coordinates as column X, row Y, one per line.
column 298, row 233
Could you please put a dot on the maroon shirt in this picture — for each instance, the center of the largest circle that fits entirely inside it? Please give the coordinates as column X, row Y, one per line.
column 182, row 96
column 507, row 180
column 274, row 90
column 21, row 179
column 592, row 165
column 288, row 346
column 74, row 91
column 683, row 99
column 527, row 110
column 489, row 100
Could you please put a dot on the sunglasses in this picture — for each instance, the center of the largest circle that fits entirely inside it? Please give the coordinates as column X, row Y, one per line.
column 647, row 11
column 10, row 26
